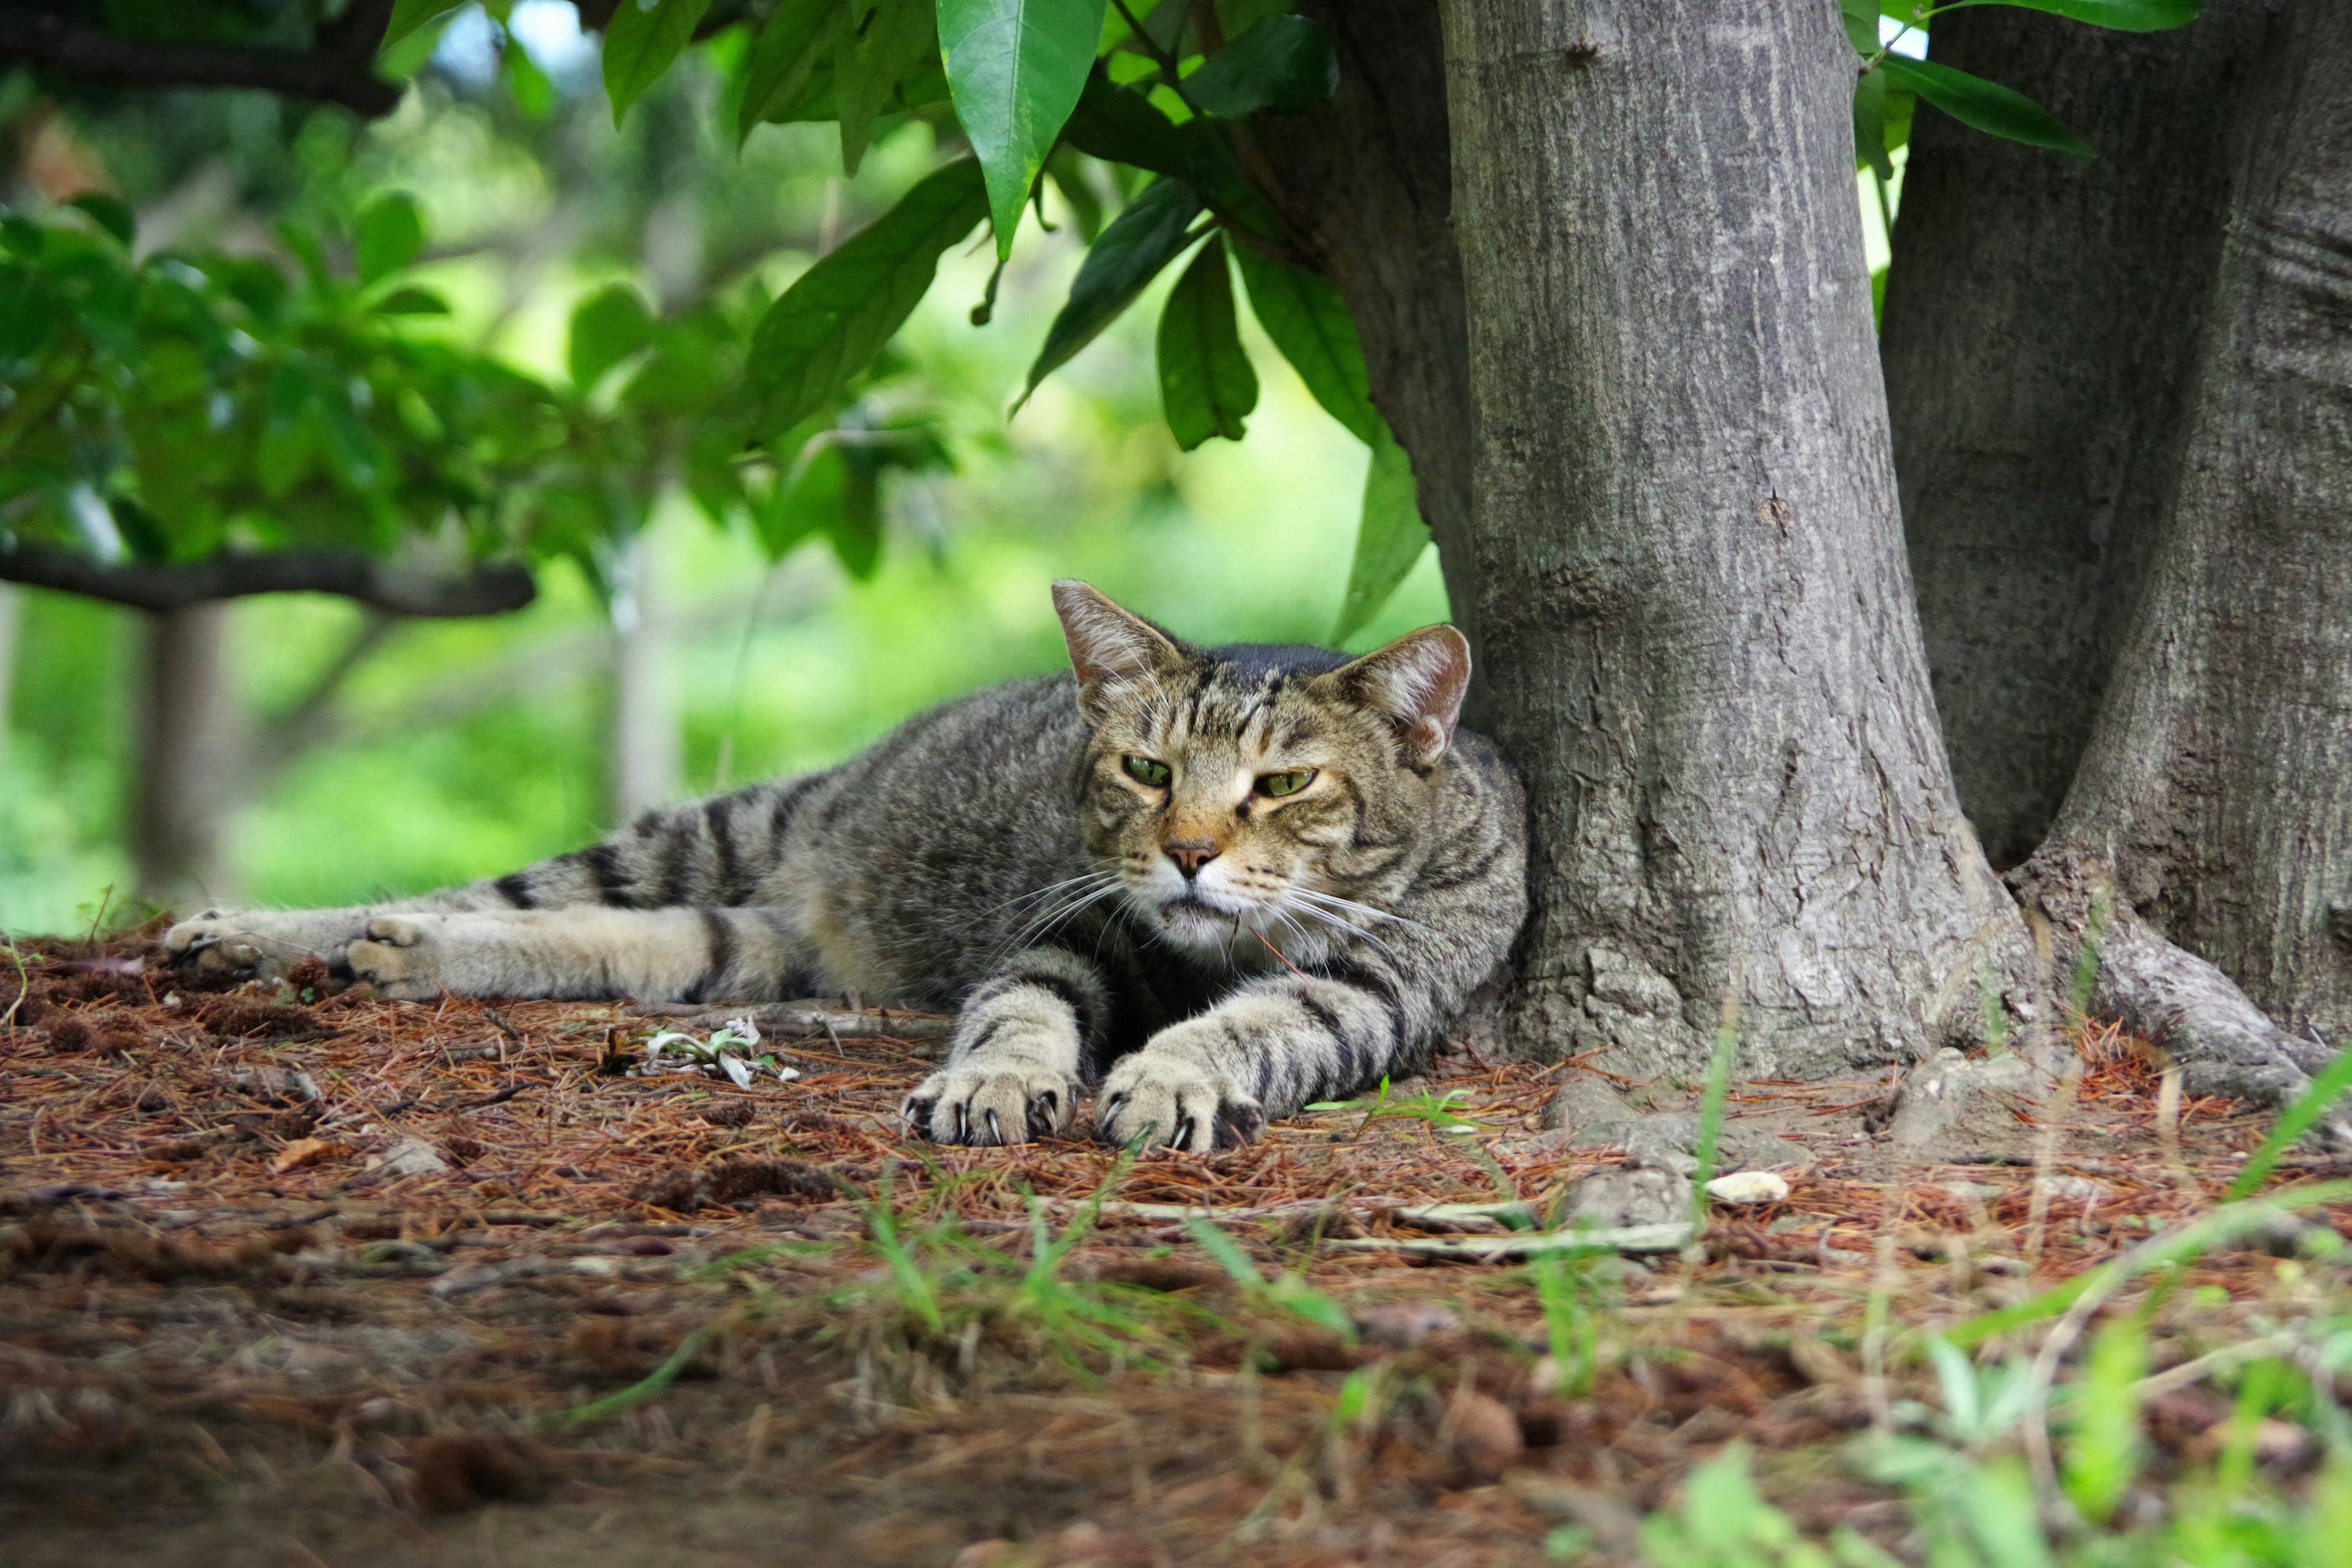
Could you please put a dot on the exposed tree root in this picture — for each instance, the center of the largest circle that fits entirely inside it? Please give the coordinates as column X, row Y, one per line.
column 2225, row 1044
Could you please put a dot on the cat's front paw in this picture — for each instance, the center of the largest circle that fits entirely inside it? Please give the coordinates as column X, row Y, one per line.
column 1170, row 1097
column 400, row 957
column 260, row 942
column 990, row 1102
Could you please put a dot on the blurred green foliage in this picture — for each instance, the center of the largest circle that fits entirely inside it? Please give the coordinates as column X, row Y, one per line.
column 461, row 748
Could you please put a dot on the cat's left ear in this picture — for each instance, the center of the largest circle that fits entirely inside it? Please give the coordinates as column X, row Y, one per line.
column 1416, row 683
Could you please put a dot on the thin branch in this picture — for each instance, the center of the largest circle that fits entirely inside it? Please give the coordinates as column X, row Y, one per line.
column 490, row 588
column 303, row 727
column 340, row 67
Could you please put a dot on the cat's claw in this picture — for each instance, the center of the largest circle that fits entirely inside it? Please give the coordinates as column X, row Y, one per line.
column 1173, row 1100
column 991, row 1105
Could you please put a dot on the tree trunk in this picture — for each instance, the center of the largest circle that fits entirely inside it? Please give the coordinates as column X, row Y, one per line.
column 2043, row 317
column 1366, row 181
column 1684, row 557
column 2216, row 793
column 648, row 765
column 12, row 618
column 181, row 792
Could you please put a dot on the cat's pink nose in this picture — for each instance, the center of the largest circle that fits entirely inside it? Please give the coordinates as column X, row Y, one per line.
column 1190, row 855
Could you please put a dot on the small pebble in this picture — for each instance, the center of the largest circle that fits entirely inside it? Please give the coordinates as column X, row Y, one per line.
column 1748, row 1187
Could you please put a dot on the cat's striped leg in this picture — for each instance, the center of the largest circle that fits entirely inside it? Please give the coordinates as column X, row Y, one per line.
column 584, row 952
column 1270, row 1048
column 1012, row 1072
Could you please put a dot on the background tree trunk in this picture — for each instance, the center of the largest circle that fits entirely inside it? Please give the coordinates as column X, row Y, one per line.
column 181, row 794
column 1367, row 182
column 2041, row 323
column 12, row 618
column 649, row 763
column 1684, row 557
column 2216, row 793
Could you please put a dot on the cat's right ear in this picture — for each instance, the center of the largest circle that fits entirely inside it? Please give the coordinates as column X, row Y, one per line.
column 1111, row 650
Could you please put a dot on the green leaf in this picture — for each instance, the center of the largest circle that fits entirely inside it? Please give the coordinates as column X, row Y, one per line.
column 838, row 315
column 1860, row 19
column 1149, row 232
column 1870, row 124
column 112, row 214
column 391, row 232
column 2121, row 16
column 1283, row 64
column 641, row 41
column 791, row 55
column 1984, row 105
column 534, row 95
column 1015, row 68
column 408, row 16
column 607, row 327
column 1064, row 169
column 1206, row 384
column 412, row 302
column 884, row 44
column 2319, row 1097
column 1389, row 541
column 28, row 315
column 1309, row 322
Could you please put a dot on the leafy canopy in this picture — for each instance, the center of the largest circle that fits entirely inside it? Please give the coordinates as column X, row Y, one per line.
column 170, row 406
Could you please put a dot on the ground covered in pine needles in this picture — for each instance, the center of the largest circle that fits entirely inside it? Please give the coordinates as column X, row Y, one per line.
column 290, row 1275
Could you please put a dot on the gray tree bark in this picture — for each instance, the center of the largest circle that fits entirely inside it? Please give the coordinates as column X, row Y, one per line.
column 182, row 791
column 2041, row 323
column 2215, row 797
column 1685, row 555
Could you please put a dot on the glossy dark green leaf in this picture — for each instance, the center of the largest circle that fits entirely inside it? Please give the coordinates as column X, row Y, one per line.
column 389, row 235
column 1123, row 127
column 1309, row 322
column 1984, row 105
column 1283, row 64
column 2120, row 15
column 112, row 214
column 412, row 301
column 1015, row 68
column 839, row 313
column 640, row 43
column 884, row 44
column 1870, row 124
column 607, row 327
column 793, row 52
column 1206, row 384
column 1388, row 540
column 1149, row 232
column 1860, row 19
column 408, row 15
column 28, row 315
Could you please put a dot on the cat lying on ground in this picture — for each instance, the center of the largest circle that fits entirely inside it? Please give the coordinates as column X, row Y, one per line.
column 1220, row 882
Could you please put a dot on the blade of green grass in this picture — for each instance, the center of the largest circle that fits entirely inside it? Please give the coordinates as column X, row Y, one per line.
column 2174, row 1247
column 2295, row 1122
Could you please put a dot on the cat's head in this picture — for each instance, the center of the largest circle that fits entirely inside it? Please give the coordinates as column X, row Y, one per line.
column 1249, row 791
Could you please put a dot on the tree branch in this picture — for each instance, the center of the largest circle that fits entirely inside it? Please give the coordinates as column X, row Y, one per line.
column 340, row 67
column 490, row 588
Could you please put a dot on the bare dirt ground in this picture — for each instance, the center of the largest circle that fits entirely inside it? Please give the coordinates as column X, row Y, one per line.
column 290, row 1275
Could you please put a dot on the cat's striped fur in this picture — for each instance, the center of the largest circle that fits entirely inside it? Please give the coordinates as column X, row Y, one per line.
column 1092, row 872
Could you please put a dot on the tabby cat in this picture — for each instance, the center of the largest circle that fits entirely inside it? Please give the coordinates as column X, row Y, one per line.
column 1220, row 883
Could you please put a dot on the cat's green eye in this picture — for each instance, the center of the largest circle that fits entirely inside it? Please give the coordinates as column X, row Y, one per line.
column 1147, row 771
column 1280, row 784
